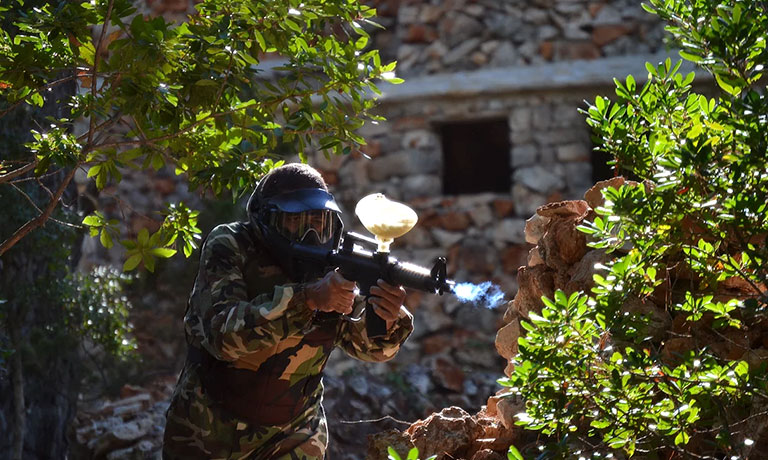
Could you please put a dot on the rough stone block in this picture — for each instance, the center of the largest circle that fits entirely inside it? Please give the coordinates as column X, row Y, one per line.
column 539, row 179
column 604, row 34
column 535, row 227
column 523, row 155
column 446, row 239
column 461, row 51
column 506, row 340
column 503, row 207
column 577, row 50
column 420, row 138
column 481, row 215
column 505, row 55
column 520, row 118
column 575, row 151
column 510, row 231
column 526, row 200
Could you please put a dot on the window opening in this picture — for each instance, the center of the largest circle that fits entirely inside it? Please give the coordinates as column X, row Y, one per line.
column 476, row 157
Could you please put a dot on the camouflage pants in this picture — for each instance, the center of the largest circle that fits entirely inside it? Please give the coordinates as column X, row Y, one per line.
column 198, row 429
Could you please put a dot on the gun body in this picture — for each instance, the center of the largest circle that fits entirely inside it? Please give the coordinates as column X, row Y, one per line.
column 366, row 267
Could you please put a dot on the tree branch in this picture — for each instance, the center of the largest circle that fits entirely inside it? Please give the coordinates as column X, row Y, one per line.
column 96, row 56
column 32, row 202
column 38, row 90
column 38, row 221
column 18, row 172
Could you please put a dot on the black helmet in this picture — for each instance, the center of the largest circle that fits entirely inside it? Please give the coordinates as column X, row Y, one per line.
column 291, row 205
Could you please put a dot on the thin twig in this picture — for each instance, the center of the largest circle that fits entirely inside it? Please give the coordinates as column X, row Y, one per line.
column 39, row 90
column 380, row 419
column 38, row 221
column 96, row 56
column 27, row 179
column 40, row 183
column 18, row 172
column 61, row 222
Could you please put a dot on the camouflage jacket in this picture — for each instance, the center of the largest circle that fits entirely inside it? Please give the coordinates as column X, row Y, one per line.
column 263, row 349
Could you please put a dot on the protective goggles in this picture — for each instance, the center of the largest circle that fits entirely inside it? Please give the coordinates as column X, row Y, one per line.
column 300, row 214
column 316, row 226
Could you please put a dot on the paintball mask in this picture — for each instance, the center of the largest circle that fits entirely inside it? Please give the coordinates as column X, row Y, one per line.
column 308, row 216
column 314, row 227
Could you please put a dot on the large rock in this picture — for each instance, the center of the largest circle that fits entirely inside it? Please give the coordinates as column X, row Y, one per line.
column 506, row 339
column 538, row 178
column 562, row 245
column 594, row 196
column 535, row 227
column 447, row 434
column 656, row 322
column 534, row 282
column 380, row 442
column 582, row 272
column 507, row 409
column 564, row 209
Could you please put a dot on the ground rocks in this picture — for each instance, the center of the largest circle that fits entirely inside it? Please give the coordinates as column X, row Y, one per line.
column 124, row 429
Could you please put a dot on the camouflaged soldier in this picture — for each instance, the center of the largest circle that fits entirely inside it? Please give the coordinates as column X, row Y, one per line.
column 260, row 328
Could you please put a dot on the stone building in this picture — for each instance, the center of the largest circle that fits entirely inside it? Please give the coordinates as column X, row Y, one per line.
column 486, row 127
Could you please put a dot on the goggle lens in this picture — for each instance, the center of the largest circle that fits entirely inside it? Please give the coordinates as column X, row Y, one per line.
column 297, row 225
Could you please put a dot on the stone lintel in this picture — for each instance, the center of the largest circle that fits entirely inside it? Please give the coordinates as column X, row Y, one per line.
column 545, row 77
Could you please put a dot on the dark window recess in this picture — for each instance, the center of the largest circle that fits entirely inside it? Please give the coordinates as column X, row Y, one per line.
column 601, row 170
column 476, row 157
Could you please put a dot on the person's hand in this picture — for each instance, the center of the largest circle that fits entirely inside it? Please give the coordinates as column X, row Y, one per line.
column 332, row 293
column 387, row 300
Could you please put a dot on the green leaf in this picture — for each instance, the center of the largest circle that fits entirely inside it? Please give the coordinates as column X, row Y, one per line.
column 143, row 237
column 393, row 455
column 132, row 262
column 726, row 86
column 93, row 221
column 163, row 252
column 682, row 438
column 689, row 56
column 106, row 239
column 514, row 454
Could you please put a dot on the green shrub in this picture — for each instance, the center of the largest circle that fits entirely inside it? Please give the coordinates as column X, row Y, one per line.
column 593, row 380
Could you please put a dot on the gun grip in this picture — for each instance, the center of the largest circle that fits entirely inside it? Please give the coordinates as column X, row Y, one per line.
column 375, row 325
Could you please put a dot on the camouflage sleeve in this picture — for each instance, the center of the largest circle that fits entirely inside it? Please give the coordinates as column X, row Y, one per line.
column 233, row 325
column 355, row 342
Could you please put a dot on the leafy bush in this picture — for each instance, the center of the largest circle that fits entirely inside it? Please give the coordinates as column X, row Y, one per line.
column 98, row 310
column 691, row 238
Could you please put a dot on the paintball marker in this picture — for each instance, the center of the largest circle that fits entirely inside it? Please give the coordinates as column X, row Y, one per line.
column 358, row 261
column 366, row 266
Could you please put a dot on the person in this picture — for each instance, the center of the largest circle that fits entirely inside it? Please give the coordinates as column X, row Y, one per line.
column 261, row 325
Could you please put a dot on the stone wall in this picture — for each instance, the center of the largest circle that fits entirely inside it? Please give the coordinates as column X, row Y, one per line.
column 428, row 37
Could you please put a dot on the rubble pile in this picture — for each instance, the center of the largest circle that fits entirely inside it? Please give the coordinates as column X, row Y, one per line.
column 128, row 428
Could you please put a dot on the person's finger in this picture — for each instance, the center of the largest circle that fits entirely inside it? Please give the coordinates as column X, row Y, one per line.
column 392, row 308
column 388, row 287
column 343, row 283
column 384, row 313
column 393, row 297
column 397, row 291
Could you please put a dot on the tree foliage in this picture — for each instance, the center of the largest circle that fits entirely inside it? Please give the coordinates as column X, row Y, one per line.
column 198, row 97
column 697, row 224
